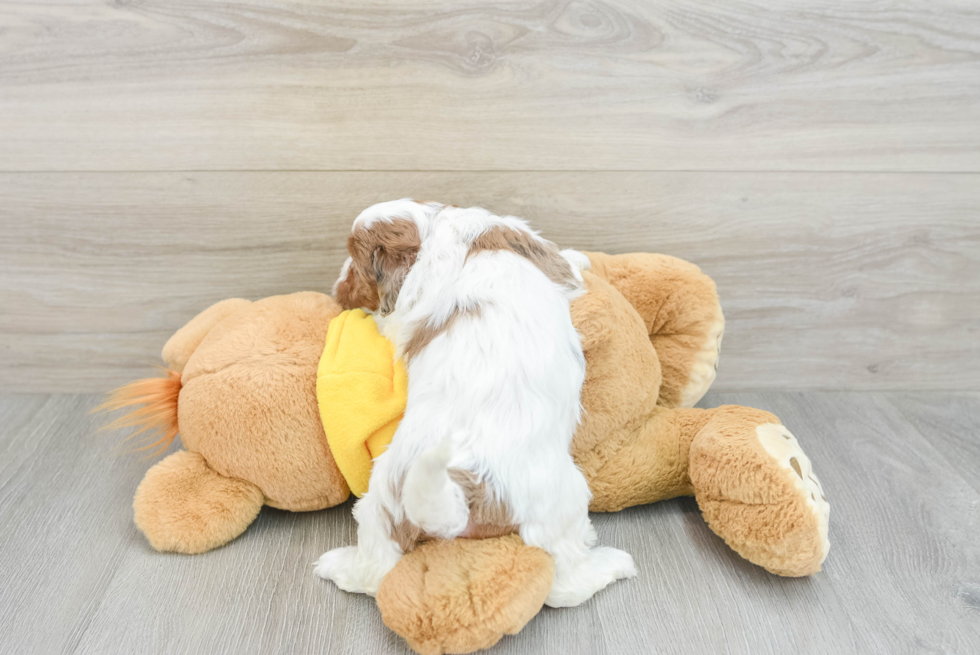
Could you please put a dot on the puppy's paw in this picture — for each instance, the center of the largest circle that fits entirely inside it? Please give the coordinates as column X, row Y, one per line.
column 340, row 566
column 579, row 260
column 602, row 567
column 613, row 564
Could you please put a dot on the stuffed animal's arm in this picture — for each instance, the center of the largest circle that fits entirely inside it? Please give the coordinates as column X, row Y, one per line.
column 679, row 306
column 185, row 341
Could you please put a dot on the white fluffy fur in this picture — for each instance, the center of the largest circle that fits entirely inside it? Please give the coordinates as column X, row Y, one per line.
column 497, row 394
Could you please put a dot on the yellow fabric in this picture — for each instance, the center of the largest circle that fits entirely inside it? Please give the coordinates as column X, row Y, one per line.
column 362, row 392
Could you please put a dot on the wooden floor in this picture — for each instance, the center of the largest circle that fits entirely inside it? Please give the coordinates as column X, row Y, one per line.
column 901, row 471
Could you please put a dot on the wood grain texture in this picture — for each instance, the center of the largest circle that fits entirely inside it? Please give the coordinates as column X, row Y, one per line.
column 828, row 281
column 476, row 85
column 903, row 573
column 952, row 426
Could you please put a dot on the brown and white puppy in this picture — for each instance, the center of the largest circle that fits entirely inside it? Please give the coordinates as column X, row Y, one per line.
column 478, row 307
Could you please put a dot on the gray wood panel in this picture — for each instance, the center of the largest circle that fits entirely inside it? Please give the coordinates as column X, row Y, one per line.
column 903, row 573
column 828, row 281
column 477, row 85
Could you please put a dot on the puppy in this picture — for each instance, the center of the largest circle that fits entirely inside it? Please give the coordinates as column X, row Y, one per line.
column 477, row 305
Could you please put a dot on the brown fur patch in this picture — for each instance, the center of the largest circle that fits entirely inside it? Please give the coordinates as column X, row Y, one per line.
column 489, row 515
column 405, row 533
column 381, row 257
column 424, row 335
column 543, row 254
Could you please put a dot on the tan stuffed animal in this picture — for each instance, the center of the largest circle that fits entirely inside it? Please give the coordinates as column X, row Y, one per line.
column 241, row 393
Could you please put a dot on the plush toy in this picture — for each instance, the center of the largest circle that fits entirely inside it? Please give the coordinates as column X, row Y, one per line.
column 242, row 391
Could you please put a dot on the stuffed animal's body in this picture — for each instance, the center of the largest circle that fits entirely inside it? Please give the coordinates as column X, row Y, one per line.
column 242, row 394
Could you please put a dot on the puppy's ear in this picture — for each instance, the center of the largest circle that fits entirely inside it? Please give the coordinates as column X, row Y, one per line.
column 391, row 266
column 345, row 279
column 352, row 291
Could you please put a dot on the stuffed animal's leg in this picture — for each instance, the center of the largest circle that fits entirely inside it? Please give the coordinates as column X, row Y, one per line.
column 184, row 506
column 679, row 305
column 359, row 569
column 752, row 480
column 185, row 341
column 463, row 595
column 757, row 490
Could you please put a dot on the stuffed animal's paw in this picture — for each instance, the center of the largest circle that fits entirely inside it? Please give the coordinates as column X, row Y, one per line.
column 757, row 490
column 782, row 446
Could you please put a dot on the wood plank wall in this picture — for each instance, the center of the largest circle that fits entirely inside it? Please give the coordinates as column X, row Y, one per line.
column 820, row 159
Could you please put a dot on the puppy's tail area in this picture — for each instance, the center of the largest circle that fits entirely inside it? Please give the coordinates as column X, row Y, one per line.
column 431, row 499
column 151, row 406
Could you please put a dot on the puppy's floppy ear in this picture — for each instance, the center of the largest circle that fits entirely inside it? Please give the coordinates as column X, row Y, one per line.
column 381, row 255
column 391, row 266
column 352, row 291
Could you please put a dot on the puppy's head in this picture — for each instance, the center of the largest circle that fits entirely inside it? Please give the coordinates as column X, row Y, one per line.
column 383, row 245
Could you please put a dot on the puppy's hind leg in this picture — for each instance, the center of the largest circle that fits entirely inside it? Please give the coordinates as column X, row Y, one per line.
column 360, row 569
column 565, row 531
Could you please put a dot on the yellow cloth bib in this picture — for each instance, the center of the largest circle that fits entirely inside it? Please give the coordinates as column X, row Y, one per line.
column 362, row 392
